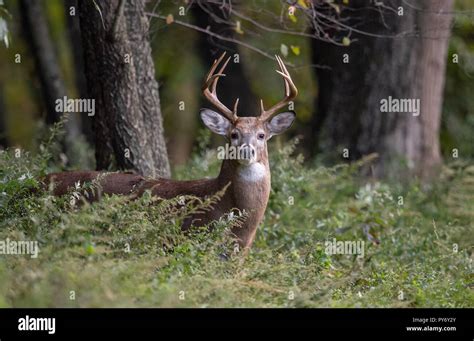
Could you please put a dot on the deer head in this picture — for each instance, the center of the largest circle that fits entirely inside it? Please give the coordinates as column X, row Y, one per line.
column 249, row 135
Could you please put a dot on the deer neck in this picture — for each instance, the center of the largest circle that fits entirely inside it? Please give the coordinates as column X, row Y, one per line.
column 249, row 190
column 249, row 185
column 256, row 172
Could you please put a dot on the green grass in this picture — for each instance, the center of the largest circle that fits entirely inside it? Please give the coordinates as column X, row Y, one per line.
column 424, row 258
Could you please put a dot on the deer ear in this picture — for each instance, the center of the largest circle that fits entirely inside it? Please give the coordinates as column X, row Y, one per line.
column 280, row 123
column 215, row 122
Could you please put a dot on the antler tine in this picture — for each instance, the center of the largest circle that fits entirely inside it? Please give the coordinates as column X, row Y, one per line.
column 213, row 68
column 283, row 67
column 236, row 104
column 210, row 85
column 290, row 92
column 219, row 74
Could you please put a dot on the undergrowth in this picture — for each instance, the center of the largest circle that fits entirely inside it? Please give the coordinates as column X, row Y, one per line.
column 131, row 253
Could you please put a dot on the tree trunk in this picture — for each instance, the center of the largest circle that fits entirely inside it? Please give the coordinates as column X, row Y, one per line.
column 411, row 66
column 3, row 121
column 121, row 77
column 235, row 83
column 74, row 35
column 47, row 67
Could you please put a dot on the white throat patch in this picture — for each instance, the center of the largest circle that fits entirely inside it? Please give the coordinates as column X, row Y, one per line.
column 253, row 172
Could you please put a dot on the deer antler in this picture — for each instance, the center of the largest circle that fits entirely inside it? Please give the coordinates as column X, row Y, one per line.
column 290, row 92
column 209, row 89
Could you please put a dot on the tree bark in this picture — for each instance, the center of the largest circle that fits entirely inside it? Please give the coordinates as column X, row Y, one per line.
column 121, row 77
column 3, row 119
column 74, row 35
column 407, row 67
column 42, row 48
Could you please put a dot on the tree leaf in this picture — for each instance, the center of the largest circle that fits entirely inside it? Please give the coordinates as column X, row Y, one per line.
column 4, row 32
column 346, row 41
column 295, row 49
column 238, row 27
column 292, row 17
column 284, row 50
column 303, row 4
column 336, row 8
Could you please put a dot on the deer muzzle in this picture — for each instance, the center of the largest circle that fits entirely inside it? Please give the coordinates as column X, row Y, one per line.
column 247, row 154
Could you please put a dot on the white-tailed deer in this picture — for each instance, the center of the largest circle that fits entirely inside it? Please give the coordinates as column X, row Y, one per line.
column 247, row 176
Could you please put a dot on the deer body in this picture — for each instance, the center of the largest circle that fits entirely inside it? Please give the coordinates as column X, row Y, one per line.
column 247, row 179
column 242, row 194
column 248, row 190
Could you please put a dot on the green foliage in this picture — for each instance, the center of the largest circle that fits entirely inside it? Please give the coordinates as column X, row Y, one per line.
column 458, row 109
column 120, row 252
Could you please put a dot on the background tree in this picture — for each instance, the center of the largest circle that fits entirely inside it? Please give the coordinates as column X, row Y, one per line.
column 402, row 56
column 3, row 127
column 75, row 42
column 258, row 30
column 35, row 27
column 121, row 77
column 215, row 18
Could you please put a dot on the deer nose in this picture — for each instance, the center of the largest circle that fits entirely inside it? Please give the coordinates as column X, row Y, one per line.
column 247, row 152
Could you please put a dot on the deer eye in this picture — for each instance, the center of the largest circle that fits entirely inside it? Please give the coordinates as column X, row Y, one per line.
column 261, row 136
column 234, row 136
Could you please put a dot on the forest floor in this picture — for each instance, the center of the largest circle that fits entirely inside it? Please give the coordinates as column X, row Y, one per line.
column 417, row 243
